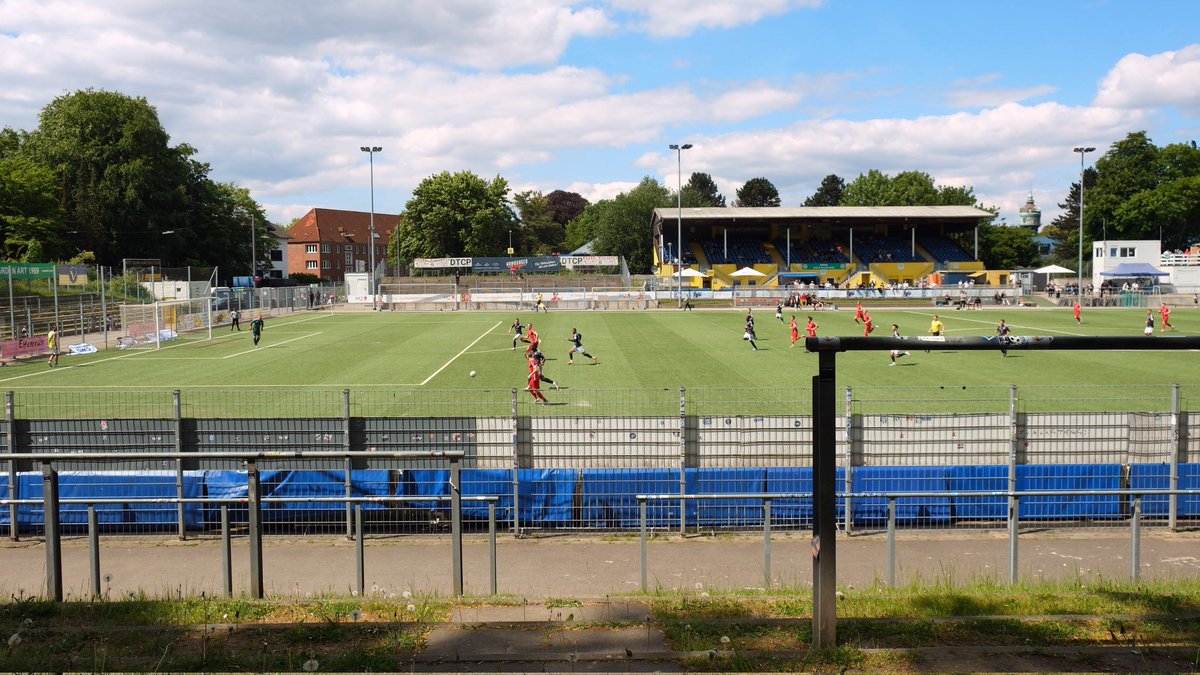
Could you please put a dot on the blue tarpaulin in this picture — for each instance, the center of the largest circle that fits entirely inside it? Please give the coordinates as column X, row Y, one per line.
column 1158, row 477
column 874, row 510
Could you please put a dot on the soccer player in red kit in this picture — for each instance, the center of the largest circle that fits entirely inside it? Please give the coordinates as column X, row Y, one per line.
column 795, row 332
column 858, row 312
column 812, row 327
column 1166, row 318
column 1076, row 307
column 868, row 326
column 532, row 339
column 535, row 381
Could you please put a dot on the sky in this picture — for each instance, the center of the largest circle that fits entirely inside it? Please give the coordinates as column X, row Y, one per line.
column 278, row 96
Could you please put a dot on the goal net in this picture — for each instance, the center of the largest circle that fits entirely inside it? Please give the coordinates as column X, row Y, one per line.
column 500, row 298
column 168, row 321
column 560, row 298
column 417, row 297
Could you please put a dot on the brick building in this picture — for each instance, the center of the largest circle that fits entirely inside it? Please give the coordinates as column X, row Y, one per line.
column 329, row 242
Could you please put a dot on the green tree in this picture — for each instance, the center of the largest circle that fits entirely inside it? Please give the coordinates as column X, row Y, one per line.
column 583, row 228
column 829, row 193
column 120, row 183
column 456, row 214
column 30, row 229
column 1064, row 229
column 704, row 191
column 623, row 226
column 907, row 188
column 1006, row 248
column 540, row 233
column 566, row 206
column 758, row 192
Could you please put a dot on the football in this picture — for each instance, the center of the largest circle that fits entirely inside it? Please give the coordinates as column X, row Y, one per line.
column 472, row 373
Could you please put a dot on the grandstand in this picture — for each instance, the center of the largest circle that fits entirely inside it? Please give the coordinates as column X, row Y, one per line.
column 846, row 246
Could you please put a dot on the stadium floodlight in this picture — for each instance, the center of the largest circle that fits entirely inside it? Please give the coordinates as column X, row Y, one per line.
column 679, row 217
column 1079, row 276
column 371, row 150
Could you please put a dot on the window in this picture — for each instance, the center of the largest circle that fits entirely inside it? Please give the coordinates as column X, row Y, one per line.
column 1099, row 251
column 1129, row 253
column 1112, row 252
column 310, row 264
column 325, row 248
column 349, row 257
column 325, row 264
column 276, row 255
column 310, row 248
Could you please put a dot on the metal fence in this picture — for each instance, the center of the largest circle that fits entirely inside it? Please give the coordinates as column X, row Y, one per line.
column 579, row 466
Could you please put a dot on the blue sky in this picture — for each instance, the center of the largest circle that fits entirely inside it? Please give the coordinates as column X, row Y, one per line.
column 278, row 96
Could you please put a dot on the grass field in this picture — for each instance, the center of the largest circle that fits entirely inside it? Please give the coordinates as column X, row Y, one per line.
column 645, row 356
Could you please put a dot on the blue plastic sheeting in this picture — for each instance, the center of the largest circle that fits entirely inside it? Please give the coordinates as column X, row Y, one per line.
column 608, row 497
column 874, row 510
column 1158, row 477
column 281, row 483
column 1104, row 477
column 798, row 480
column 109, row 485
column 728, row 512
column 546, row 495
column 979, row 479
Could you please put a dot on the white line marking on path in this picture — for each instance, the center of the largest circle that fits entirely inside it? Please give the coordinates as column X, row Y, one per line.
column 269, row 346
column 464, row 351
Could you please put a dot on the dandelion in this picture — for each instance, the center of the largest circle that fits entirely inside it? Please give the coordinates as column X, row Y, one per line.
column 14, row 640
column 406, row 594
column 704, row 594
column 311, row 666
column 411, row 607
column 724, row 640
column 355, row 614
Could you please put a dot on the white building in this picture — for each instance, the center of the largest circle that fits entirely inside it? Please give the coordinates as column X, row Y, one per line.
column 1120, row 261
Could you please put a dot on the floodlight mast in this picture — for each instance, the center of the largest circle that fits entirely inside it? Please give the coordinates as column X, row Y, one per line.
column 679, row 217
column 1079, row 274
column 371, row 150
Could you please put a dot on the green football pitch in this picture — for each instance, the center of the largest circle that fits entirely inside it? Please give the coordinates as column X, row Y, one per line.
column 423, row 361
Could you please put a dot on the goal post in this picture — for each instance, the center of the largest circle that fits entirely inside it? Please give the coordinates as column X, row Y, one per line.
column 619, row 298
column 417, row 297
column 152, row 325
column 499, row 298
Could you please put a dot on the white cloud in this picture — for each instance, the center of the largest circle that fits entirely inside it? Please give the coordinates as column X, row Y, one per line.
column 677, row 18
column 986, row 98
column 1163, row 79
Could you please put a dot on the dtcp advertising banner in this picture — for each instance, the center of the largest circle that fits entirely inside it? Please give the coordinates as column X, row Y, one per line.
column 548, row 263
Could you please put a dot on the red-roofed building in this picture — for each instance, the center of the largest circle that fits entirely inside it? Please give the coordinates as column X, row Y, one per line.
column 329, row 242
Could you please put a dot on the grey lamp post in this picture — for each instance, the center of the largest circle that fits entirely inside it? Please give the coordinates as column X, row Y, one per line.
column 1079, row 275
column 679, row 219
column 371, row 150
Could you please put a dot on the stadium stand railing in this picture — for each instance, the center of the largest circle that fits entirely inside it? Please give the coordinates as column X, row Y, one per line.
column 580, row 466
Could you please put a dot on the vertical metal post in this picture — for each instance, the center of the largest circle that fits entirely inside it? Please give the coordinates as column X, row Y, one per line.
column 359, row 553
column 1013, row 515
column 516, row 465
column 177, row 411
column 94, row 549
column 456, row 561
column 346, row 445
column 1135, row 544
column 891, row 542
column 54, row 586
column 824, row 542
column 853, row 458
column 254, row 493
column 1178, row 447
column 1014, row 504
column 492, row 545
column 226, row 551
column 767, row 542
column 682, row 459
column 10, row 446
column 645, row 552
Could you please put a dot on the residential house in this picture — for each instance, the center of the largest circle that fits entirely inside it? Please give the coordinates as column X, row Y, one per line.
column 330, row 243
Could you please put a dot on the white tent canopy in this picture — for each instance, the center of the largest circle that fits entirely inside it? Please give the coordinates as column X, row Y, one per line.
column 747, row 272
column 689, row 273
column 1053, row 269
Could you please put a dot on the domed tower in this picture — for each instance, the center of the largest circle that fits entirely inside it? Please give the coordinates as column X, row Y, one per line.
column 1031, row 215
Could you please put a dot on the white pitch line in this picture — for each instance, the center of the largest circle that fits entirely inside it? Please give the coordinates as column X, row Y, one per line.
column 1011, row 325
column 464, row 351
column 273, row 344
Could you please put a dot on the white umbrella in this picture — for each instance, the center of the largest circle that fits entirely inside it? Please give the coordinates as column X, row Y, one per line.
column 689, row 273
column 747, row 272
column 1053, row 269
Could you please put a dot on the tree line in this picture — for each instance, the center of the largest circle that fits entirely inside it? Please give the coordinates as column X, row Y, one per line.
column 98, row 180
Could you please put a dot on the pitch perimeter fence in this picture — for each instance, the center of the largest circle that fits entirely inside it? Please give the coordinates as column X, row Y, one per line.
column 579, row 466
